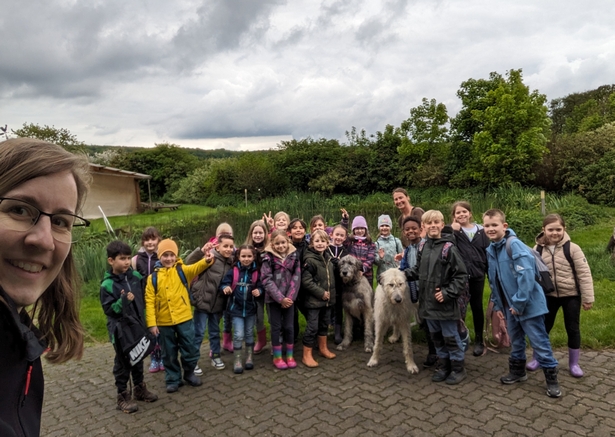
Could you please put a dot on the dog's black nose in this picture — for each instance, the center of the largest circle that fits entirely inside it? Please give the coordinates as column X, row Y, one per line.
column 398, row 299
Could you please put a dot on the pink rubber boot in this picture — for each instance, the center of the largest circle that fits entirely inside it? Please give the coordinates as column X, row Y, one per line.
column 227, row 341
column 261, row 341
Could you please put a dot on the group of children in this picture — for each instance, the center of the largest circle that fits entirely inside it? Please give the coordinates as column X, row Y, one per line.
column 288, row 271
column 511, row 269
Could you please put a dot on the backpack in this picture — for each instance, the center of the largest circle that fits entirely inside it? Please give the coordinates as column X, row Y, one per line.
column 568, row 256
column 133, row 341
column 236, row 277
column 181, row 274
column 496, row 334
column 542, row 274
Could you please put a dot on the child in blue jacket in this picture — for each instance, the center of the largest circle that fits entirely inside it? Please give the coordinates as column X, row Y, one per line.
column 242, row 284
column 521, row 299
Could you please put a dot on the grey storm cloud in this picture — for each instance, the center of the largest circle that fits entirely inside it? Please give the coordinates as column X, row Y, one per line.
column 69, row 50
column 223, row 25
column 117, row 72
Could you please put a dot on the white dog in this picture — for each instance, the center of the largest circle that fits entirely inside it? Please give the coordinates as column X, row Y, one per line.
column 357, row 298
column 393, row 308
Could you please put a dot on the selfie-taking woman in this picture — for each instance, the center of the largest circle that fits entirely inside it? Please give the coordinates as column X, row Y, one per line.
column 42, row 188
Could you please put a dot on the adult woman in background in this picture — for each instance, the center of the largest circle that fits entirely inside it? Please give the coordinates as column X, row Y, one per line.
column 42, row 187
column 401, row 199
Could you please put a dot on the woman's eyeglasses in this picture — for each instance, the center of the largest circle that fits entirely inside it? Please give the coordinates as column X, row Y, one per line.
column 19, row 215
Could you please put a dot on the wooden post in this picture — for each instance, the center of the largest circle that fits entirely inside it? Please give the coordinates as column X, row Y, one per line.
column 543, row 208
column 246, row 195
column 149, row 193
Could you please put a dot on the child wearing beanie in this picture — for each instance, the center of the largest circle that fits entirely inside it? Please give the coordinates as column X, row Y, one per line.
column 362, row 247
column 388, row 247
column 168, row 312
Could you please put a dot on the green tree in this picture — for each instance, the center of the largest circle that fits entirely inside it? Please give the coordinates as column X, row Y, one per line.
column 306, row 160
column 582, row 112
column 384, row 169
column 507, row 127
column 166, row 163
column 61, row 137
column 587, row 164
column 474, row 96
column 425, row 144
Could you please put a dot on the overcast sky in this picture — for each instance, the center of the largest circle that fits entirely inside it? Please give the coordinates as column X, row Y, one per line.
column 243, row 74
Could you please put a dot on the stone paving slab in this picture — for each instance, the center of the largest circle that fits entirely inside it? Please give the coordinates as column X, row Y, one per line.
column 342, row 397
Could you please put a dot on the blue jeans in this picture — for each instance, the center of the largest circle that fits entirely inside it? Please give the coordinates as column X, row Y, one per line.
column 448, row 329
column 243, row 327
column 535, row 330
column 210, row 321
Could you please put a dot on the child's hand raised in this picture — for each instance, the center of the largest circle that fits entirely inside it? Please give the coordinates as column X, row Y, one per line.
column 268, row 220
column 209, row 256
column 344, row 213
column 208, row 247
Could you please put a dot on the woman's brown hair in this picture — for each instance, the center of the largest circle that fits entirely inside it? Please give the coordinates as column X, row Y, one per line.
column 57, row 309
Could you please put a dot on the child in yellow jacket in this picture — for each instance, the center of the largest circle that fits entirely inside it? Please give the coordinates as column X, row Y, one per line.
column 168, row 312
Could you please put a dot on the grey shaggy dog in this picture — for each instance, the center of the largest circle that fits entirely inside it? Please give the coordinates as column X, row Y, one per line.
column 393, row 309
column 357, row 298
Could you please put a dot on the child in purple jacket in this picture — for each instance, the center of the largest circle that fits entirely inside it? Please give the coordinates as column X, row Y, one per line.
column 281, row 278
column 361, row 246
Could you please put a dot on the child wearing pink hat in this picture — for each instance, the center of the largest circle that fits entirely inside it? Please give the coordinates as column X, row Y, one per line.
column 362, row 247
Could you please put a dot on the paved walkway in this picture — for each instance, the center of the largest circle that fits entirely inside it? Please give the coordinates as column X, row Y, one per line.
column 342, row 397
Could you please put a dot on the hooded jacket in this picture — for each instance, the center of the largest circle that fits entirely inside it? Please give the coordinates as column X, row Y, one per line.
column 21, row 347
column 364, row 252
column 206, row 296
column 169, row 304
column 317, row 276
column 433, row 272
column 111, row 289
column 473, row 251
column 242, row 303
column 145, row 262
column 515, row 284
column 392, row 246
column 281, row 276
column 561, row 272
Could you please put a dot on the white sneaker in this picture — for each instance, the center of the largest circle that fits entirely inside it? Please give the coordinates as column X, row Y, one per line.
column 198, row 371
column 217, row 362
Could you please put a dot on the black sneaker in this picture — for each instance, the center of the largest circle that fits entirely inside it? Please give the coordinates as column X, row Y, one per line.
column 172, row 388
column 192, row 380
